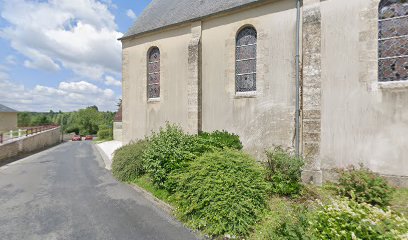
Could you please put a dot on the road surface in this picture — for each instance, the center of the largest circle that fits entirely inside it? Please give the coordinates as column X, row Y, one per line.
column 66, row 193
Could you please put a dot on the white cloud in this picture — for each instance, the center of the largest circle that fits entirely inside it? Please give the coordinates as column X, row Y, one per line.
column 68, row 96
column 131, row 14
column 11, row 60
column 110, row 81
column 79, row 35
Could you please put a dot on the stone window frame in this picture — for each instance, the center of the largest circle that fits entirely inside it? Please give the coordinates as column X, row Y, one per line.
column 369, row 52
column 246, row 94
column 390, row 42
column 148, row 73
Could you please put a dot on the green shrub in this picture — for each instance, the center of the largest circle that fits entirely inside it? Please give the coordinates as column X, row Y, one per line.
column 364, row 186
column 127, row 162
column 347, row 219
column 221, row 140
column 222, row 192
column 104, row 132
column 170, row 149
column 284, row 172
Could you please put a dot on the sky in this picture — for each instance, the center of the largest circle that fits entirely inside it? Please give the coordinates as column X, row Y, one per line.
column 63, row 54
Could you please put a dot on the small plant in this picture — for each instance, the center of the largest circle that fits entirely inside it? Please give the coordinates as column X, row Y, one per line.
column 364, row 185
column 347, row 219
column 170, row 149
column 285, row 220
column 284, row 172
column 222, row 192
column 127, row 162
column 221, row 140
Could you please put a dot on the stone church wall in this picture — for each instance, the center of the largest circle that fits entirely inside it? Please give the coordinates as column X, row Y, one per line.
column 362, row 120
column 265, row 118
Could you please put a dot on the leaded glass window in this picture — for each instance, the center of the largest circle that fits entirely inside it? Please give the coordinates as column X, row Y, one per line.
column 153, row 73
column 245, row 60
column 393, row 40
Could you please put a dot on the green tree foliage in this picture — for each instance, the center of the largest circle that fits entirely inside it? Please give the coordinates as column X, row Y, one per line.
column 84, row 121
column 89, row 120
column 23, row 119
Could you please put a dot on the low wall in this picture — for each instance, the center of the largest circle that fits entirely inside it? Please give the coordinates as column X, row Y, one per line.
column 30, row 143
column 117, row 131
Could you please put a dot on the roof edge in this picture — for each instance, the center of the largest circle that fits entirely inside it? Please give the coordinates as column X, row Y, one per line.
column 260, row 2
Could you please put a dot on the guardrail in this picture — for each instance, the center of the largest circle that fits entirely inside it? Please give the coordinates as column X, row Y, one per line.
column 23, row 132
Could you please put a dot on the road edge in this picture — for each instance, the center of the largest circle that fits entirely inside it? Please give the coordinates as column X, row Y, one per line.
column 105, row 158
column 148, row 195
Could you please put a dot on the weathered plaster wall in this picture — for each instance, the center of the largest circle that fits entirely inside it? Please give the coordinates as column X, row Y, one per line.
column 266, row 118
column 30, row 143
column 140, row 117
column 8, row 121
column 362, row 120
column 117, row 131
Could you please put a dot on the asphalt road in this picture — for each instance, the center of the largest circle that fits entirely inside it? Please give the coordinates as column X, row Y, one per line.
column 66, row 193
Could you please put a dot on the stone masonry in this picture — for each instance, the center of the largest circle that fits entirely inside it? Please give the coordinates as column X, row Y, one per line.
column 311, row 92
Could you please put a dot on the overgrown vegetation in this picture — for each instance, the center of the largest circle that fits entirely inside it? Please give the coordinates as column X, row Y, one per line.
column 168, row 150
column 221, row 140
column 284, row 172
column 364, row 186
column 127, row 162
column 85, row 121
column 219, row 189
column 347, row 219
column 222, row 192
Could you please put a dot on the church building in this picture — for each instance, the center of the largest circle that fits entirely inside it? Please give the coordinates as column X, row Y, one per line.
column 327, row 78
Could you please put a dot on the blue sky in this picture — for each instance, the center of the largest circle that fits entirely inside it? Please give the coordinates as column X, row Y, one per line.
column 63, row 54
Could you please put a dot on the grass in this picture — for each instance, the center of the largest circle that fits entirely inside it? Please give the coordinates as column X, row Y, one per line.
column 145, row 183
column 399, row 203
column 281, row 208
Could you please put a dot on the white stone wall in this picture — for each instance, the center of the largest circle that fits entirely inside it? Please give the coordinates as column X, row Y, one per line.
column 30, row 143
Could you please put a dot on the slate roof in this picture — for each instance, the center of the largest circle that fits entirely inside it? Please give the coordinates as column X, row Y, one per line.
column 6, row 109
column 165, row 13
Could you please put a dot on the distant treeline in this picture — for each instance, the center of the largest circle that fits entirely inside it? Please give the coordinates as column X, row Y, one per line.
column 84, row 121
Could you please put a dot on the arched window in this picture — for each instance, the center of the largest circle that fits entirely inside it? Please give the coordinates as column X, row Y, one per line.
column 393, row 40
column 245, row 60
column 153, row 73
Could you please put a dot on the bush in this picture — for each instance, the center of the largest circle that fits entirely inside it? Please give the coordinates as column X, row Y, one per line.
column 221, row 140
column 169, row 150
column 284, row 172
column 222, row 192
column 127, row 162
column 364, row 186
column 347, row 219
column 104, row 132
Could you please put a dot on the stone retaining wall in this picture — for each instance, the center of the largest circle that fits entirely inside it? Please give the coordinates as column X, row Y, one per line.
column 30, row 143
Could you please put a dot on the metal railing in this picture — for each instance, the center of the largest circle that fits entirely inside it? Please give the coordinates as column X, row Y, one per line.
column 23, row 132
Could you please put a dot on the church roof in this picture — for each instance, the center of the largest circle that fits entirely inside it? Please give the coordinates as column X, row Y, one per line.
column 165, row 13
column 6, row 109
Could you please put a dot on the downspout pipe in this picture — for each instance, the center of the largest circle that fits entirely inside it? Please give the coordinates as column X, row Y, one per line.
column 297, row 121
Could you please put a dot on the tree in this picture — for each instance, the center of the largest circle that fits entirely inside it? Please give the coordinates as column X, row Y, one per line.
column 89, row 119
column 24, row 119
